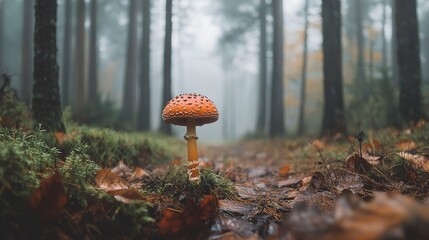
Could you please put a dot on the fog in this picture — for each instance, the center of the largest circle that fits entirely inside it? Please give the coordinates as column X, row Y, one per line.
column 227, row 72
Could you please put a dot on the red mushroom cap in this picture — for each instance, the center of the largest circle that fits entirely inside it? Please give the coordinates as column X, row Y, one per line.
column 191, row 105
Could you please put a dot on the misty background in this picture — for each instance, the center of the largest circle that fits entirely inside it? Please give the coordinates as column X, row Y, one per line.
column 215, row 50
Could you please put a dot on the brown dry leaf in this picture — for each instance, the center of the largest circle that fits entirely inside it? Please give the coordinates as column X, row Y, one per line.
column 191, row 220
column 418, row 160
column 361, row 164
column 406, row 145
column 108, row 181
column 127, row 195
column 372, row 146
column 388, row 216
column 284, row 171
column 176, row 162
column 60, row 137
column 421, row 123
column 319, row 144
column 49, row 199
column 138, row 174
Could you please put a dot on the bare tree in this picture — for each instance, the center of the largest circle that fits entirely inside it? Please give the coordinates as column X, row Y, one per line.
column 394, row 60
column 166, row 92
column 360, row 40
column 262, row 103
column 129, row 91
column 79, row 90
column 93, row 55
column 27, row 51
column 46, row 93
column 333, row 110
column 408, row 53
column 383, row 40
column 143, row 117
column 277, row 128
column 1, row 33
column 66, row 54
column 301, row 120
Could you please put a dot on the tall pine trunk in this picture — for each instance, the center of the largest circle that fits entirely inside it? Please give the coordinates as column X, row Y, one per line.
column 1, row 34
column 166, row 92
column 301, row 120
column 277, row 128
column 46, row 93
column 360, row 41
column 93, row 56
column 394, row 64
column 262, row 103
column 65, row 73
column 383, row 41
column 143, row 118
column 129, row 91
column 27, row 51
column 79, row 89
column 333, row 110
column 408, row 53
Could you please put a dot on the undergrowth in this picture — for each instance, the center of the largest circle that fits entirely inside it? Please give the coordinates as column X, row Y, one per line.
column 175, row 184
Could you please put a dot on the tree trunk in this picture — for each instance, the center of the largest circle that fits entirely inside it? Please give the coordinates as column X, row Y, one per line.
column 301, row 120
column 79, row 91
column 425, row 76
column 27, row 51
column 408, row 53
column 46, row 93
column 394, row 64
column 277, row 128
column 262, row 106
column 166, row 93
column 383, row 41
column 66, row 53
column 93, row 56
column 360, row 40
column 1, row 34
column 129, row 91
column 333, row 111
column 143, row 119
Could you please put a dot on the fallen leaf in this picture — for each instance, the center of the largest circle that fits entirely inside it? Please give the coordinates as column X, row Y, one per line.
column 176, row 162
column 193, row 220
column 108, row 181
column 283, row 172
column 406, row 145
column 319, row 144
column 49, row 198
column 138, row 174
column 387, row 216
column 60, row 137
column 360, row 164
column 127, row 195
column 418, row 160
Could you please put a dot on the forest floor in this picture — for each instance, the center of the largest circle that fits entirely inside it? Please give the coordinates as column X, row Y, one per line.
column 97, row 183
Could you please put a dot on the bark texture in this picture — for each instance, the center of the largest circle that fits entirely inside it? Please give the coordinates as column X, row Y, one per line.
column 333, row 110
column 46, row 93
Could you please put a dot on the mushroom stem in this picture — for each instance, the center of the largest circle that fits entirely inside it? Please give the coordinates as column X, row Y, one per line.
column 191, row 138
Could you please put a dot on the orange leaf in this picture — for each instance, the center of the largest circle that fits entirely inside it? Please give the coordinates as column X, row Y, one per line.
column 49, row 199
column 283, row 172
column 127, row 195
column 406, row 145
column 138, row 174
column 176, row 162
column 108, row 181
column 192, row 219
column 60, row 137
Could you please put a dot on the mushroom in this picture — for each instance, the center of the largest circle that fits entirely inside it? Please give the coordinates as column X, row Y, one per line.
column 191, row 110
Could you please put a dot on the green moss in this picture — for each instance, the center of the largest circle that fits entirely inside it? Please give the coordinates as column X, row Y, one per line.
column 107, row 147
column 175, row 184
